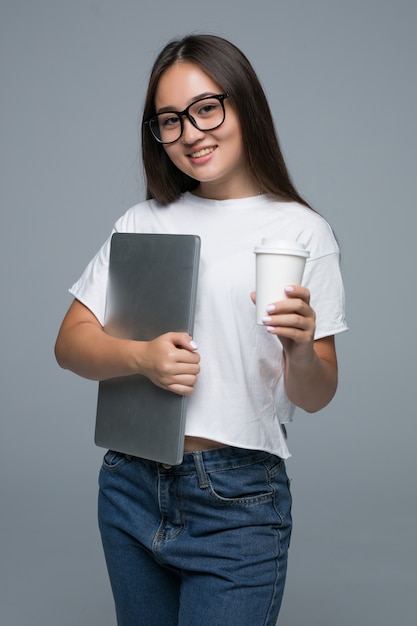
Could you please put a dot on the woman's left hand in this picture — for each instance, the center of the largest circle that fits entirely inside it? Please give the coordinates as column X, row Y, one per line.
column 310, row 365
column 293, row 321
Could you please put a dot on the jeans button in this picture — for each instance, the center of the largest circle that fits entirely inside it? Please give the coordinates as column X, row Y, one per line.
column 166, row 466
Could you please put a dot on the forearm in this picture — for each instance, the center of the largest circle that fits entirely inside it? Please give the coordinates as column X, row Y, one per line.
column 170, row 361
column 310, row 384
column 88, row 351
column 310, row 365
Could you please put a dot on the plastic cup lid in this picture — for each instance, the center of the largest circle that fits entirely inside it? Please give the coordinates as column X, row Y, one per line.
column 281, row 246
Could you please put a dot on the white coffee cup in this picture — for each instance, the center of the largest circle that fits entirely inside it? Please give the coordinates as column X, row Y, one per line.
column 278, row 264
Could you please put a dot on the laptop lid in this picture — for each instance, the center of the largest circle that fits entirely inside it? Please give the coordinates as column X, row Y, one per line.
column 152, row 291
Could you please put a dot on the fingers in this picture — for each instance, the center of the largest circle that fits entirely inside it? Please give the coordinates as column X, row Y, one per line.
column 292, row 291
column 297, row 291
column 181, row 385
column 181, row 379
column 291, row 327
column 292, row 318
column 173, row 363
column 182, row 340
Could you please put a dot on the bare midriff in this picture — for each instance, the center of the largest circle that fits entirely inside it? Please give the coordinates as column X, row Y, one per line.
column 193, row 444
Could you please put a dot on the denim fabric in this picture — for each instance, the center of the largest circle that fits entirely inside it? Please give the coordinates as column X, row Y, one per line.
column 203, row 543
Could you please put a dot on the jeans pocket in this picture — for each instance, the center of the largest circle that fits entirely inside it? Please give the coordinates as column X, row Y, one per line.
column 240, row 485
column 113, row 461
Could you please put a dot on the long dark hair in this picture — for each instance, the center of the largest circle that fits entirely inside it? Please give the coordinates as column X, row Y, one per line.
column 229, row 68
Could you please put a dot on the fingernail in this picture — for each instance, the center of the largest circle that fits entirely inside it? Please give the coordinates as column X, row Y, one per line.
column 193, row 345
column 267, row 319
column 270, row 308
column 289, row 288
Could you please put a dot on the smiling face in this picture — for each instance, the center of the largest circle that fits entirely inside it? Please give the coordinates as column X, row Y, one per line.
column 216, row 157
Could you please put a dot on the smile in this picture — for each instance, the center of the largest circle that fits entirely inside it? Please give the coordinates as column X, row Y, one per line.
column 201, row 153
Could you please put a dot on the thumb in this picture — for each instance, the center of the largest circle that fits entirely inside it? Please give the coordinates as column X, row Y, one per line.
column 183, row 340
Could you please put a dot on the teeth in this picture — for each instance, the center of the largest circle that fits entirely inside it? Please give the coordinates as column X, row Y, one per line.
column 201, row 153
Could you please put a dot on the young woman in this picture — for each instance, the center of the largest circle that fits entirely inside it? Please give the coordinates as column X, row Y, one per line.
column 206, row 541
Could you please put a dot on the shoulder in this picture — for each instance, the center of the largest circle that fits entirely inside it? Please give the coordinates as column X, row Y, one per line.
column 138, row 217
column 149, row 215
column 309, row 227
column 130, row 220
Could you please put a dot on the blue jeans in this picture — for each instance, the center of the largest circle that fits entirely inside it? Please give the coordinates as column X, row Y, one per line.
column 203, row 543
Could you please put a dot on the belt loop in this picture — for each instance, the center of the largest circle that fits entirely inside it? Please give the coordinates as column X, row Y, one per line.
column 203, row 479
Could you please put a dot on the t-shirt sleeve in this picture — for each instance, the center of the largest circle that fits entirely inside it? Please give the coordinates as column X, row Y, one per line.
column 91, row 287
column 323, row 277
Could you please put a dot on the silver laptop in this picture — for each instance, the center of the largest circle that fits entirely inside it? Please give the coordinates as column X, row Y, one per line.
column 152, row 290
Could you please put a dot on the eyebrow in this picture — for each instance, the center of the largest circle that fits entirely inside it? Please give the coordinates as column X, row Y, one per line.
column 171, row 109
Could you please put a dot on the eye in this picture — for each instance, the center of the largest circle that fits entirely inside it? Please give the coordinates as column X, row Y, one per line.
column 168, row 120
column 208, row 108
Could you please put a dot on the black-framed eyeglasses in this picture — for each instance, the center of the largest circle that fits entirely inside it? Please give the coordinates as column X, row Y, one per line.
column 205, row 113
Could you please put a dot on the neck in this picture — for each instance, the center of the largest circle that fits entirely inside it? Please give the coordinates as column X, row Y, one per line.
column 245, row 189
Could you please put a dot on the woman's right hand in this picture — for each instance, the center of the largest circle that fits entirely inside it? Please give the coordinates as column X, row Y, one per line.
column 169, row 361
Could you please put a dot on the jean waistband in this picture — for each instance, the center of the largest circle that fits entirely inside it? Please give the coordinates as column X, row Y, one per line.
column 215, row 459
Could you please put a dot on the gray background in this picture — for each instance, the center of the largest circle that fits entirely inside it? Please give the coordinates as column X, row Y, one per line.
column 340, row 77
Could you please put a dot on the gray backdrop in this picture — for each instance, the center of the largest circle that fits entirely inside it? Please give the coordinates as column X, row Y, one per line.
column 340, row 77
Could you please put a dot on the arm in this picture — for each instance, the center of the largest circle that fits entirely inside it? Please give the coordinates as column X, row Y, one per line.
column 82, row 346
column 312, row 384
column 310, row 366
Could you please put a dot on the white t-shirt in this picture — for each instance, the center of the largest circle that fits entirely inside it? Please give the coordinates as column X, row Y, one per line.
column 239, row 398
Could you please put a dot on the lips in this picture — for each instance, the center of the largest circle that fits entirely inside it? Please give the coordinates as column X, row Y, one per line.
column 201, row 153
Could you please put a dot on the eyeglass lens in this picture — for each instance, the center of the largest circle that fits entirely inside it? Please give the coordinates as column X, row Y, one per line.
column 204, row 114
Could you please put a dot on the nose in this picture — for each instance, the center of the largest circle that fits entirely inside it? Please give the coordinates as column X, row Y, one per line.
column 190, row 133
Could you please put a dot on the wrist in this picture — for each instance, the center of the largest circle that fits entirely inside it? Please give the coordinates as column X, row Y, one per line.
column 301, row 358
